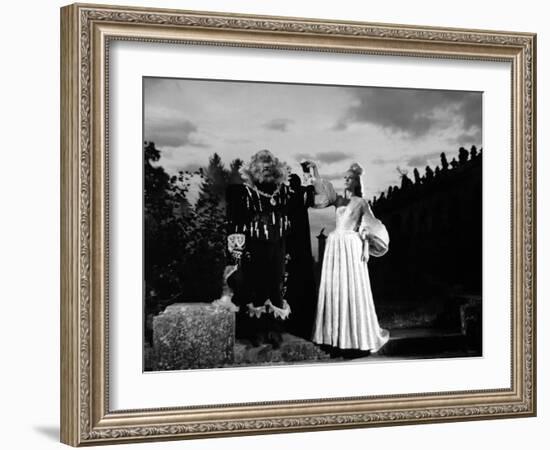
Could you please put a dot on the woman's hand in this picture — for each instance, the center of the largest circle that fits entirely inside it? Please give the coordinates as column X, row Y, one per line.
column 365, row 253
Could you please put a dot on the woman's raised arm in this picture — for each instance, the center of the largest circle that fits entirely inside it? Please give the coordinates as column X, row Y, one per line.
column 325, row 195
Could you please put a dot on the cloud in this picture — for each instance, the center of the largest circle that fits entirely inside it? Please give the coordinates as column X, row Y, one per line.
column 422, row 160
column 342, row 124
column 278, row 124
column 238, row 141
column 300, row 156
column 332, row 157
column 467, row 139
column 168, row 128
column 413, row 112
column 324, row 157
column 383, row 161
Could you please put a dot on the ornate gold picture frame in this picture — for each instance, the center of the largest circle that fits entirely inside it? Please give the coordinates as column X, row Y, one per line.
column 87, row 31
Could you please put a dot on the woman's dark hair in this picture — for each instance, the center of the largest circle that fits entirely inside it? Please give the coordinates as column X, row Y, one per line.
column 356, row 171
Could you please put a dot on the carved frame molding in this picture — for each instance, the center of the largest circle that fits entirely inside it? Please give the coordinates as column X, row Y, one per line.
column 86, row 31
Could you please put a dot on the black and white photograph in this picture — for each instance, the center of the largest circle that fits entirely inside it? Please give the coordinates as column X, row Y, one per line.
column 293, row 224
column 278, row 224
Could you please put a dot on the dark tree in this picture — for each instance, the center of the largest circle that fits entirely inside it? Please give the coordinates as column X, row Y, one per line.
column 184, row 244
column 444, row 162
column 462, row 155
column 205, row 243
column 216, row 177
column 165, row 205
column 416, row 176
column 406, row 182
column 429, row 174
column 234, row 174
column 438, row 225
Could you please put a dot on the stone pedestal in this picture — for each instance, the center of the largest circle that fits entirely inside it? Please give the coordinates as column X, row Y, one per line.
column 193, row 336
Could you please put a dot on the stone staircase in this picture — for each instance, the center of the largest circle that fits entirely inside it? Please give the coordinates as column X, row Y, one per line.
column 200, row 335
column 449, row 328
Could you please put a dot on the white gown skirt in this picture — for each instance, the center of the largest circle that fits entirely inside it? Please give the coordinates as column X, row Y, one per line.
column 346, row 317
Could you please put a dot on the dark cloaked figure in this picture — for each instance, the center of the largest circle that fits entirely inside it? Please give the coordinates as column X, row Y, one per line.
column 264, row 226
column 258, row 217
column 301, row 282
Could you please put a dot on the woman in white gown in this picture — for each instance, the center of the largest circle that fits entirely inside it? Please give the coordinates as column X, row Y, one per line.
column 346, row 317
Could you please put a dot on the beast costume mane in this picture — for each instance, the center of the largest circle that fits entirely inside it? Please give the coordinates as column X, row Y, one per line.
column 251, row 171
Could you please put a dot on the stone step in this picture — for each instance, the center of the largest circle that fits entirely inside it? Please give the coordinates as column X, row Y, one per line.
column 293, row 350
column 455, row 312
column 411, row 343
column 199, row 335
column 430, row 343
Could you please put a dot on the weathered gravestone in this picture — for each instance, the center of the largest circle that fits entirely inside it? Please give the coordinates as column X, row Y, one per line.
column 193, row 336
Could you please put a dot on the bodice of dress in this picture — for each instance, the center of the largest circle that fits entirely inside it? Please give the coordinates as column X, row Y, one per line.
column 348, row 217
column 355, row 216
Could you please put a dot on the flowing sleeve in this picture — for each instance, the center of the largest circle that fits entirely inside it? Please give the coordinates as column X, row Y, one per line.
column 374, row 231
column 325, row 195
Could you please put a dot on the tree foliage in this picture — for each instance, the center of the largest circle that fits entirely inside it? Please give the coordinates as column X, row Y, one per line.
column 205, row 246
column 184, row 242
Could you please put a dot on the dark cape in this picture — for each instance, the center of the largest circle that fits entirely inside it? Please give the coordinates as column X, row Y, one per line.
column 301, row 291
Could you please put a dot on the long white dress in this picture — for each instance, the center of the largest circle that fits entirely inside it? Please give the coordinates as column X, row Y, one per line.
column 346, row 316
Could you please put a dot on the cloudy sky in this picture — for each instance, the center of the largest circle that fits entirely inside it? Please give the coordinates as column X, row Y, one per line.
column 383, row 129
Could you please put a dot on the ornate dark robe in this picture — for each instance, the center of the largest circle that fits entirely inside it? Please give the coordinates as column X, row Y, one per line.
column 265, row 223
